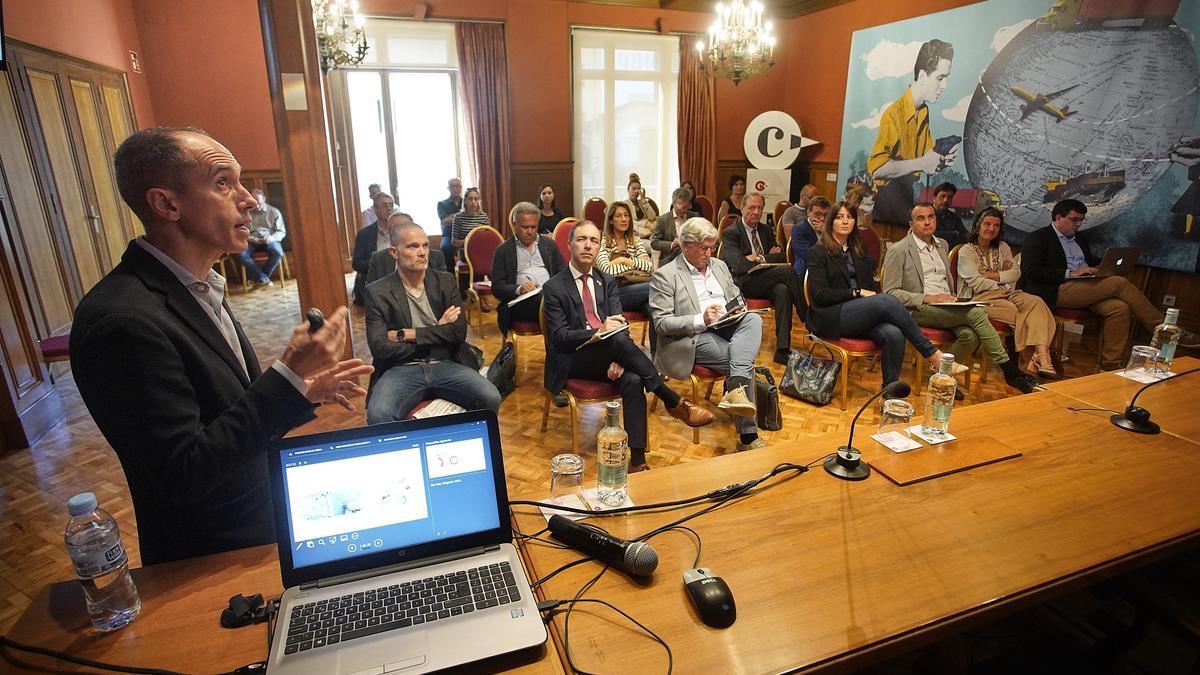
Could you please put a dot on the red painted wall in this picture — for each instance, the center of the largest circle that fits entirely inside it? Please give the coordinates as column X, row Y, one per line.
column 100, row 31
column 207, row 68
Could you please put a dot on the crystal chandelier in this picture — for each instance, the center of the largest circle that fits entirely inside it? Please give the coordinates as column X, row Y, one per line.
column 740, row 43
column 341, row 40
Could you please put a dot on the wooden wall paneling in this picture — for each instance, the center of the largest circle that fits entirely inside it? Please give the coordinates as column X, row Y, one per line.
column 97, row 164
column 818, row 175
column 120, row 124
column 527, row 177
column 82, row 226
column 345, row 173
column 725, row 169
column 34, row 237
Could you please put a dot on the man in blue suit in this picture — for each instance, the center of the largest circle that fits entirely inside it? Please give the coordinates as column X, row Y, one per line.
column 806, row 232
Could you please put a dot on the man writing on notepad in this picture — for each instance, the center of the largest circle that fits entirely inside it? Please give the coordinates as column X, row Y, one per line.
column 581, row 303
column 747, row 244
column 522, row 264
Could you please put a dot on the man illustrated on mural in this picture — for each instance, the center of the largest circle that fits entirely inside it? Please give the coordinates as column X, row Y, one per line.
column 904, row 148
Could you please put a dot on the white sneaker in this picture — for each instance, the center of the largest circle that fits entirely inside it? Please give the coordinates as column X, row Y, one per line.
column 735, row 402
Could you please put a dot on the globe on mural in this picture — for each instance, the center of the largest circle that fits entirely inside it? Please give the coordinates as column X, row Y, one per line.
column 1083, row 112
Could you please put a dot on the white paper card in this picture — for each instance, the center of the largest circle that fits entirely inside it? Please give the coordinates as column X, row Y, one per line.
column 1144, row 376
column 896, row 441
column 594, row 503
column 928, row 438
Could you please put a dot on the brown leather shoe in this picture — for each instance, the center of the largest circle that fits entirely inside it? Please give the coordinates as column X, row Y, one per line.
column 638, row 468
column 691, row 415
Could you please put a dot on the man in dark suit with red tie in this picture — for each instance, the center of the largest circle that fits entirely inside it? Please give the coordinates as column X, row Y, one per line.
column 165, row 369
column 580, row 302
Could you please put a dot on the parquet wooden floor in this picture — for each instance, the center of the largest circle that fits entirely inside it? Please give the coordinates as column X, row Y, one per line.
column 35, row 483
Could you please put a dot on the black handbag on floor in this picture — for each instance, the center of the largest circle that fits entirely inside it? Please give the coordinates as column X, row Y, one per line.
column 809, row 377
column 503, row 370
column 766, row 401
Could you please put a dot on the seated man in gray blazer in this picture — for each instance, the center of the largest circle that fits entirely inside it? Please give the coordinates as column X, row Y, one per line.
column 665, row 238
column 382, row 262
column 916, row 270
column 417, row 333
column 687, row 296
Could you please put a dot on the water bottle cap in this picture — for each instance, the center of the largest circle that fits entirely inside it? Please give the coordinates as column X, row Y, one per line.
column 81, row 504
column 1172, row 316
column 947, row 357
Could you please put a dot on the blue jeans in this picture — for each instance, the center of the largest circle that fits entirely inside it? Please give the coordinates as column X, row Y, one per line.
column 401, row 388
column 883, row 319
column 274, row 255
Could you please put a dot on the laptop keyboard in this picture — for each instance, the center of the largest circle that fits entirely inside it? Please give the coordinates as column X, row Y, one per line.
column 334, row 620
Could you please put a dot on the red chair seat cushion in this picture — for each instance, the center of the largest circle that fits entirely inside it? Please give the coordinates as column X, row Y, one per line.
column 526, row 327
column 417, row 408
column 461, row 266
column 56, row 347
column 1074, row 314
column 706, row 373
column 758, row 303
column 853, row 344
column 937, row 334
column 1000, row 326
column 592, row 389
column 632, row 316
column 482, row 289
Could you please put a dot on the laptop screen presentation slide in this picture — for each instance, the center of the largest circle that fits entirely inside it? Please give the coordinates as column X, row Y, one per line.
column 387, row 488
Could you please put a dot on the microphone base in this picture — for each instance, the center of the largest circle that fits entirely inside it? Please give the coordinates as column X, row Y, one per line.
column 1124, row 422
column 846, row 469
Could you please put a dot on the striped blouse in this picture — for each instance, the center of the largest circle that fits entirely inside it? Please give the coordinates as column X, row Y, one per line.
column 634, row 250
column 463, row 224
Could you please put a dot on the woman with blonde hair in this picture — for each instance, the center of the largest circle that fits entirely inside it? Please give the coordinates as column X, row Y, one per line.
column 988, row 272
column 640, row 208
column 623, row 256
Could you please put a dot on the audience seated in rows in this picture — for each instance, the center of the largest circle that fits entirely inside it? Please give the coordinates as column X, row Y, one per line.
column 687, row 296
column 808, row 231
column 370, row 239
column 642, row 211
column 949, row 225
column 746, row 245
column 1058, row 267
column 417, row 333
column 580, row 301
column 267, row 231
column 917, row 271
column 548, row 212
column 987, row 272
column 693, row 203
column 665, row 237
column 622, row 256
column 471, row 217
column 368, row 216
column 446, row 210
column 844, row 298
column 732, row 205
column 523, row 263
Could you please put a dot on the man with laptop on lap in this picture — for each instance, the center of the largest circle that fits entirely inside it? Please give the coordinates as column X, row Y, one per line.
column 1058, row 266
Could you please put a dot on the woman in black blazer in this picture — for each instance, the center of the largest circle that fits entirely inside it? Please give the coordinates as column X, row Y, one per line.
column 845, row 300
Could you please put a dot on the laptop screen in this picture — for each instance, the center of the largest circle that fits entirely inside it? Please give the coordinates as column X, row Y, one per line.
column 396, row 489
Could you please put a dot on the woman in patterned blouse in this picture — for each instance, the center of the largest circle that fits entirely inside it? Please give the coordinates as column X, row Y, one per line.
column 623, row 256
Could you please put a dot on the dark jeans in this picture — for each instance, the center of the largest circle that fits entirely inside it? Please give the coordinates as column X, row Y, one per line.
column 400, row 388
column 779, row 285
column 447, row 247
column 635, row 298
column 274, row 254
column 883, row 319
column 640, row 376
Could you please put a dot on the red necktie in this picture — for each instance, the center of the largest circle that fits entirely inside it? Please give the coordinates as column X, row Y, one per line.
column 589, row 305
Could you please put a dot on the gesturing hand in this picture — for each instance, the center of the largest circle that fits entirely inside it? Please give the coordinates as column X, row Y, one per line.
column 339, row 383
column 309, row 354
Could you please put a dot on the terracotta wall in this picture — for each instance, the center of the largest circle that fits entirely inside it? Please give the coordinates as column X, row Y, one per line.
column 207, row 68
column 100, row 31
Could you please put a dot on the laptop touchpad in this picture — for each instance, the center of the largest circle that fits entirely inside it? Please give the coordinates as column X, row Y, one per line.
column 390, row 653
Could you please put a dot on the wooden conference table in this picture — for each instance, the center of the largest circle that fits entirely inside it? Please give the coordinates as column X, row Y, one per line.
column 179, row 626
column 834, row 575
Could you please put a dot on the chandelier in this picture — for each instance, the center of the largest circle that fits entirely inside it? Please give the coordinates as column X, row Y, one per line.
column 341, row 40
column 740, row 43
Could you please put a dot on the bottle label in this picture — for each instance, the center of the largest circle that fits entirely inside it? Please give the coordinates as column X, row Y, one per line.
column 1166, row 352
column 100, row 562
column 941, row 412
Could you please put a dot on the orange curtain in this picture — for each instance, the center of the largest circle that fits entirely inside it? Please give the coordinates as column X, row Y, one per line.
column 483, row 72
column 697, row 123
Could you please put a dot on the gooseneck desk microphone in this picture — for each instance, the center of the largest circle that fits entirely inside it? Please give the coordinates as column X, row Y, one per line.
column 846, row 463
column 1138, row 419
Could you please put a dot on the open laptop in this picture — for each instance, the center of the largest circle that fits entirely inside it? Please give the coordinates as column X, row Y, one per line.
column 1117, row 261
column 396, row 549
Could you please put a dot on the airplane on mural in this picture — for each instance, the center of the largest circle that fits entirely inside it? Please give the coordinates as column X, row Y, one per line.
column 1036, row 102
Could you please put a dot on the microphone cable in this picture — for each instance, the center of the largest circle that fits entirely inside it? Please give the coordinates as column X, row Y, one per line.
column 7, row 643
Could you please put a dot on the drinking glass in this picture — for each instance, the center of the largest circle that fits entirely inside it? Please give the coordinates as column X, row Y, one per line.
column 1143, row 360
column 896, row 416
column 566, row 481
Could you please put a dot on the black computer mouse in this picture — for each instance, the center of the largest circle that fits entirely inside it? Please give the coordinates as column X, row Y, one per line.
column 711, row 596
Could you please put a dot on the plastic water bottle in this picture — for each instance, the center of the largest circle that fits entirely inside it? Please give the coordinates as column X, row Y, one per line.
column 94, row 544
column 612, row 458
column 1166, row 337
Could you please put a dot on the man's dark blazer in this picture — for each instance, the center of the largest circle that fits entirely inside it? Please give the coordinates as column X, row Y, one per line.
column 829, row 287
column 383, row 264
column 360, row 260
column 664, row 234
column 190, row 428
column 1044, row 264
column 566, row 324
column 735, row 246
column 504, row 274
column 803, row 238
column 387, row 309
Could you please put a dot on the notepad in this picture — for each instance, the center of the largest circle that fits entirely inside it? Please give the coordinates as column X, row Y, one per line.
column 598, row 336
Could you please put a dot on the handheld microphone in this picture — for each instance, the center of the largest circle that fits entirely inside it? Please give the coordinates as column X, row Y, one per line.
column 846, row 463
column 635, row 557
column 1138, row 419
column 316, row 319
